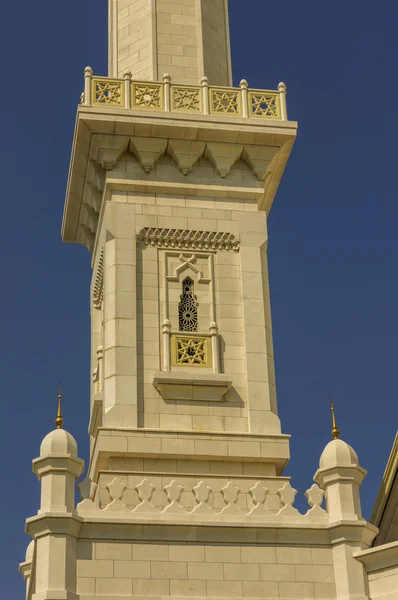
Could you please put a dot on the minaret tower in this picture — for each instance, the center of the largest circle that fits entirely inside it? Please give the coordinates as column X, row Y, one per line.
column 172, row 177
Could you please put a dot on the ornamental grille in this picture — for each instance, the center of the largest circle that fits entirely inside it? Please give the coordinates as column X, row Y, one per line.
column 191, row 351
column 107, row 91
column 188, row 307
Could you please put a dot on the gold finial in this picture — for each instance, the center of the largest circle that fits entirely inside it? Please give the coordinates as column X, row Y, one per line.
column 59, row 420
column 335, row 430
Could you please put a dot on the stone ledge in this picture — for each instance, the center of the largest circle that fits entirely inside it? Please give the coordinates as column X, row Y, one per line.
column 378, row 557
column 191, row 386
column 190, row 445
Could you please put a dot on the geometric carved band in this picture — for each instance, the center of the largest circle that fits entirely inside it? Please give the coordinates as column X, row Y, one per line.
column 188, row 239
column 176, row 501
column 98, row 289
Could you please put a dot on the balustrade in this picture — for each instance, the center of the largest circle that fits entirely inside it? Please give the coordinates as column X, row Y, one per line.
column 168, row 97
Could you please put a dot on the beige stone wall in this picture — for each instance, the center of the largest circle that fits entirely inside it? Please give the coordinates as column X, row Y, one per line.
column 204, row 569
column 178, row 40
column 241, row 299
column 383, row 584
column 186, row 38
column 215, row 30
column 133, row 42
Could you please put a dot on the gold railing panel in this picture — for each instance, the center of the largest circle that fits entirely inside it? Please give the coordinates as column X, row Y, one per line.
column 107, row 91
column 191, row 351
column 147, row 95
column 186, row 98
column 225, row 101
column 264, row 104
column 151, row 95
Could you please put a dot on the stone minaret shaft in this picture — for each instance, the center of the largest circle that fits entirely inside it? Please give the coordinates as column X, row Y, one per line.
column 187, row 38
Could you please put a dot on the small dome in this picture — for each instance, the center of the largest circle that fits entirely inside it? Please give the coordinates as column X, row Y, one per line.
column 29, row 551
column 58, row 441
column 338, row 454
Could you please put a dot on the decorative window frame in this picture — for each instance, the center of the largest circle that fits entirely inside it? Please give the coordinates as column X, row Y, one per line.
column 210, row 337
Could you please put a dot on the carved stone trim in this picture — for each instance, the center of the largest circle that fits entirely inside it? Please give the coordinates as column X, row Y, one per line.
column 188, row 239
column 175, row 500
column 98, row 290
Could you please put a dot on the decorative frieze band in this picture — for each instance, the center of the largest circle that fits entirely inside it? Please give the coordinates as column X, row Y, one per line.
column 176, row 502
column 186, row 239
column 98, row 289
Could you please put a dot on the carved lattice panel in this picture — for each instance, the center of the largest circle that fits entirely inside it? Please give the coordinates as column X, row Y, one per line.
column 225, row 101
column 108, row 91
column 191, row 351
column 186, row 99
column 147, row 95
column 263, row 104
column 188, row 307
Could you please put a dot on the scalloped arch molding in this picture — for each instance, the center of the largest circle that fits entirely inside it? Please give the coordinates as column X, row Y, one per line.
column 184, row 153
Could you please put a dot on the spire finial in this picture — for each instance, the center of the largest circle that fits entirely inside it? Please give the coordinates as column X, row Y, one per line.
column 335, row 430
column 59, row 420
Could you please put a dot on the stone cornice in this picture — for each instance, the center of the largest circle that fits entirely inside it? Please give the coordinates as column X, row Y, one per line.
column 358, row 532
column 250, row 138
column 156, row 443
column 54, row 523
column 380, row 557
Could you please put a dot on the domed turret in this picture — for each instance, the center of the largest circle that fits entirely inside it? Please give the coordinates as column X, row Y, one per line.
column 338, row 453
column 58, row 468
column 29, row 551
column 340, row 476
column 58, row 441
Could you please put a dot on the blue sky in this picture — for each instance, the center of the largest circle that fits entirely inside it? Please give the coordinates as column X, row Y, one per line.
column 333, row 232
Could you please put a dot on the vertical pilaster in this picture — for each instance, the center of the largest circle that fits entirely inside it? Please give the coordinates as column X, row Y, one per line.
column 262, row 409
column 350, row 575
column 120, row 348
column 55, row 567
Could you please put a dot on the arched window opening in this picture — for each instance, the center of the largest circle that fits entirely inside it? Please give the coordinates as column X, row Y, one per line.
column 188, row 307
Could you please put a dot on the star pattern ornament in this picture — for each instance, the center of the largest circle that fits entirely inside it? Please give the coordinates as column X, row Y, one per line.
column 186, row 99
column 191, row 351
column 107, row 92
column 225, row 102
column 264, row 105
column 147, row 96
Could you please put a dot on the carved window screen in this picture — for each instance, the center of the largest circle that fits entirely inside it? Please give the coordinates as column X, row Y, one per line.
column 188, row 307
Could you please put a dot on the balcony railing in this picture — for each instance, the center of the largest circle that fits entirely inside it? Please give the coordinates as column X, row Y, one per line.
column 178, row 98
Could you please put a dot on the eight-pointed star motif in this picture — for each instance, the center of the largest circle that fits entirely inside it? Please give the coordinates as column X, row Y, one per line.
column 186, row 99
column 107, row 93
column 192, row 351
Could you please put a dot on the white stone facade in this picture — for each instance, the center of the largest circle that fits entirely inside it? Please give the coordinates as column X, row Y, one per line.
column 185, row 494
column 187, row 38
